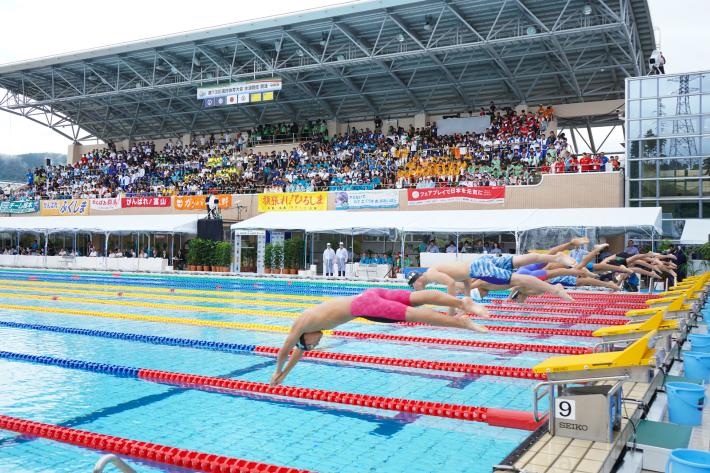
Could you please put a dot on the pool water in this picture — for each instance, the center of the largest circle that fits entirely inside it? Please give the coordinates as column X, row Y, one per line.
column 298, row 433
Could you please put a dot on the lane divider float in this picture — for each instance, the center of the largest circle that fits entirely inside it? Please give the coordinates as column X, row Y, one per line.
column 154, row 452
column 494, row 417
column 469, row 368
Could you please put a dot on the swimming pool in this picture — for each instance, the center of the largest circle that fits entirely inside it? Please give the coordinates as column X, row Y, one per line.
column 230, row 328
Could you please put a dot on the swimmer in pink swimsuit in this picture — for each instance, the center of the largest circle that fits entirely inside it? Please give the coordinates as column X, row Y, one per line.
column 378, row 305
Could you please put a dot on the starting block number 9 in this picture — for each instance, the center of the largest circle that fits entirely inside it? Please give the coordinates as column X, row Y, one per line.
column 565, row 409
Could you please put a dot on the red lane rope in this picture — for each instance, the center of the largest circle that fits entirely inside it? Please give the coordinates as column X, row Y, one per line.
column 552, row 310
column 561, row 349
column 154, row 452
column 438, row 409
column 534, row 330
column 492, row 370
column 563, row 320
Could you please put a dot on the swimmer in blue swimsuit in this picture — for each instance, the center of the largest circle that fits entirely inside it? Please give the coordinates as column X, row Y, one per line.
column 492, row 272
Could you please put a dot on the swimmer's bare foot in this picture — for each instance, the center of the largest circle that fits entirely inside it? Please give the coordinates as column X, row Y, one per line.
column 580, row 241
column 470, row 307
column 588, row 274
column 560, row 292
column 471, row 325
column 624, row 269
column 564, row 259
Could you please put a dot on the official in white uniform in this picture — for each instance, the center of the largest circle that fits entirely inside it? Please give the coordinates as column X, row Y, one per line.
column 341, row 257
column 328, row 260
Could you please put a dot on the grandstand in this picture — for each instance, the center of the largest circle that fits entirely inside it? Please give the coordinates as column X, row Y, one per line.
column 394, row 59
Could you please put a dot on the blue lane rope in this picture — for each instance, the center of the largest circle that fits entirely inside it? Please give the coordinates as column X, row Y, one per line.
column 154, row 339
column 116, row 370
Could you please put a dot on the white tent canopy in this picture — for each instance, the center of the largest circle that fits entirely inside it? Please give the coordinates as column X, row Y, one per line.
column 696, row 231
column 456, row 221
column 114, row 224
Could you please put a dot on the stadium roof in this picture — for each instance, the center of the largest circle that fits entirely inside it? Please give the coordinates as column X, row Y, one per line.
column 386, row 57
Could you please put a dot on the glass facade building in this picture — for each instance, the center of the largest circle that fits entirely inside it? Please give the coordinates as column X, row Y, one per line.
column 668, row 146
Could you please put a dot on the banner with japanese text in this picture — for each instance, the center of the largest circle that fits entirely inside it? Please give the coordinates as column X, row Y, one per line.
column 132, row 202
column 19, row 207
column 293, row 201
column 478, row 195
column 105, row 204
column 199, row 202
column 382, row 199
column 64, row 208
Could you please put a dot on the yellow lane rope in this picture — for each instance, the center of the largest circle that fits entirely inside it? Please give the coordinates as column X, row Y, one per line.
column 164, row 290
column 144, row 296
column 151, row 318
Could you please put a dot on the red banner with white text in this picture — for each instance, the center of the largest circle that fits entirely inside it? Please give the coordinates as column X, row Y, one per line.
column 478, row 195
column 131, row 202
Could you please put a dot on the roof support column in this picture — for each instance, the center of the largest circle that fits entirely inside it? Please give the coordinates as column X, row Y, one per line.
column 420, row 120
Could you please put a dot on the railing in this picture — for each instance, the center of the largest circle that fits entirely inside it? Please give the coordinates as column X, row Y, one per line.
column 113, row 459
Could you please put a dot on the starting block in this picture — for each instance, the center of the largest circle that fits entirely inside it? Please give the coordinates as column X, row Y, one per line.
column 635, row 362
column 677, row 309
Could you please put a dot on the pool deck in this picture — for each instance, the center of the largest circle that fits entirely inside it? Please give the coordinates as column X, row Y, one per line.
column 552, row 454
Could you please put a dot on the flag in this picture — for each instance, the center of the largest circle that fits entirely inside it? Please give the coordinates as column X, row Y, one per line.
column 243, row 98
column 232, row 99
column 255, row 98
column 267, row 96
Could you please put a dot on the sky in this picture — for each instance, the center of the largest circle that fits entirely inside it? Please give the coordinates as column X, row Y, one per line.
column 32, row 29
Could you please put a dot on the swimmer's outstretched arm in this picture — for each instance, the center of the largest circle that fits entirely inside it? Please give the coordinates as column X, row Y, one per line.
column 291, row 340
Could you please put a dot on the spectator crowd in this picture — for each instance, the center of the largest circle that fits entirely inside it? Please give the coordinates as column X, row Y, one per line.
column 513, row 150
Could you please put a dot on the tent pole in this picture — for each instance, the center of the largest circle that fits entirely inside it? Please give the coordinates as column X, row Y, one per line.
column 106, row 236
column 401, row 255
column 457, row 247
column 517, row 243
column 305, row 250
column 352, row 251
column 74, row 244
column 172, row 248
column 18, row 242
column 46, row 244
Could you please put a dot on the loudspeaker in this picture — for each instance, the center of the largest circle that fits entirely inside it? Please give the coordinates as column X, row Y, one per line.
column 48, row 162
column 210, row 229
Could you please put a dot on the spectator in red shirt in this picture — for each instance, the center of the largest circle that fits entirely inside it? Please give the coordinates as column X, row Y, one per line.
column 615, row 164
column 559, row 166
column 597, row 163
column 585, row 163
column 573, row 164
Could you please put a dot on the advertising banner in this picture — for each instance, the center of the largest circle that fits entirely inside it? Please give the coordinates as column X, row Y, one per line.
column 237, row 88
column 64, row 207
column 199, row 202
column 131, row 202
column 19, row 207
column 478, row 195
column 105, row 204
column 382, row 199
column 293, row 201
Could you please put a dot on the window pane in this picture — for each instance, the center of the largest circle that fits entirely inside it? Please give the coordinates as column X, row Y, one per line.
column 706, row 123
column 705, row 84
column 649, row 128
column 668, row 86
column 648, row 188
column 694, row 83
column 681, row 209
column 705, row 145
column 649, row 203
column 679, row 188
column 706, row 166
column 649, row 169
column 635, row 89
column 649, row 148
column 649, row 87
column 633, row 203
column 680, row 147
column 706, row 104
column 632, row 168
column 649, row 108
column 679, row 126
column 632, row 109
column 705, row 188
column 634, row 129
column 634, row 151
column 672, row 229
column 667, row 107
column 634, row 189
column 679, row 167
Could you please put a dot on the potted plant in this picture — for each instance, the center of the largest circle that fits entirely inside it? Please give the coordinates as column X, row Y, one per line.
column 248, row 260
column 193, row 254
column 224, row 256
column 291, row 256
column 277, row 258
column 268, row 258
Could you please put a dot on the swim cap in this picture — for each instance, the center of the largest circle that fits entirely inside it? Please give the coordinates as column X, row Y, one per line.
column 413, row 276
